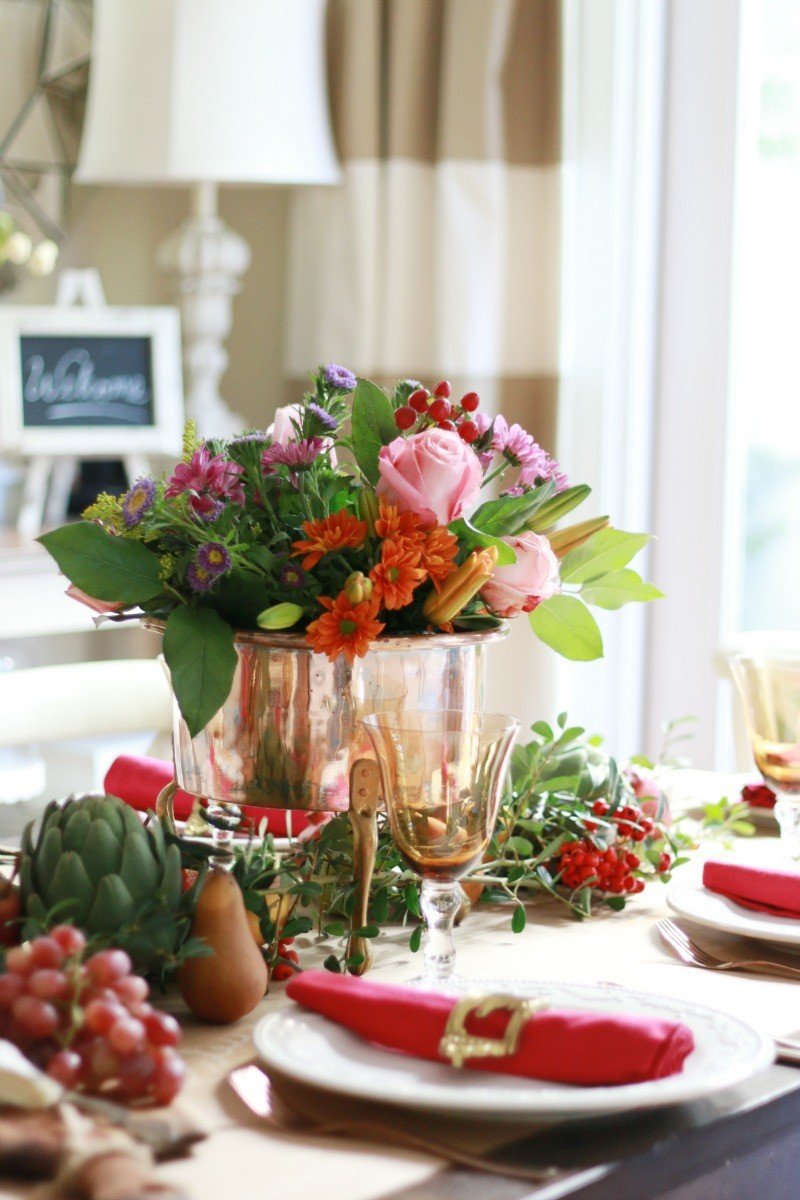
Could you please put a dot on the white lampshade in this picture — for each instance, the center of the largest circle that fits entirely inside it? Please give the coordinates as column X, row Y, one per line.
column 219, row 91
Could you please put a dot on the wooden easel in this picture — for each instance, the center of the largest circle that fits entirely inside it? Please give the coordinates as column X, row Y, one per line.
column 49, row 478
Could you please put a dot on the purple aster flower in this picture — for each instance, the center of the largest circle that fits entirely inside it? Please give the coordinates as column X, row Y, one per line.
column 245, row 439
column 200, row 580
column 209, row 509
column 214, row 558
column 296, row 455
column 340, row 377
column 326, row 419
column 293, row 576
column 138, row 500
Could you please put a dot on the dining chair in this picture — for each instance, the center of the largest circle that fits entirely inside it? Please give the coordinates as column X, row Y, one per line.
column 79, row 716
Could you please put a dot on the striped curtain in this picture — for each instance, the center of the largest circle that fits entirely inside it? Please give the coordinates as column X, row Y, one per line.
column 439, row 253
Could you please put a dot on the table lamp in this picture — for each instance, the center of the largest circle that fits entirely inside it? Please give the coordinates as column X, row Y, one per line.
column 202, row 93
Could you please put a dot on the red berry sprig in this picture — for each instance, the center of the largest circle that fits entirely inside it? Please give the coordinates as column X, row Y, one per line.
column 283, row 968
column 425, row 409
column 612, row 869
column 87, row 1021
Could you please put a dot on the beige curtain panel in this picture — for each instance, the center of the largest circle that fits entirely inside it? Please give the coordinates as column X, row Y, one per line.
column 439, row 253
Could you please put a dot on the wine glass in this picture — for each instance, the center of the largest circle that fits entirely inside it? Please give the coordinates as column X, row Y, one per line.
column 442, row 774
column 769, row 685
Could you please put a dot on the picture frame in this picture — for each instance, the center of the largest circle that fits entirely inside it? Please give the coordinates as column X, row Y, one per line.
column 90, row 381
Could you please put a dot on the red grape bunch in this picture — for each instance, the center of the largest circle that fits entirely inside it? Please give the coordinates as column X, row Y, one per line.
column 87, row 1022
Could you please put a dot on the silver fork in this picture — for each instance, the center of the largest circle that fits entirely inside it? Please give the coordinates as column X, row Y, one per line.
column 696, row 956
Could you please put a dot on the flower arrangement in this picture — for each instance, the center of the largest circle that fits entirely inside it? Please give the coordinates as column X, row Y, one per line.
column 347, row 520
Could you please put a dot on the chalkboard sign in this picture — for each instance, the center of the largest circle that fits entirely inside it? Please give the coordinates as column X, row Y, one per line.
column 86, row 381
column 92, row 382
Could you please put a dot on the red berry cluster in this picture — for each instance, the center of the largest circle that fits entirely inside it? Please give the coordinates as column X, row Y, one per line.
column 582, row 864
column 285, row 957
column 630, row 821
column 87, row 1022
column 437, row 409
column 612, row 870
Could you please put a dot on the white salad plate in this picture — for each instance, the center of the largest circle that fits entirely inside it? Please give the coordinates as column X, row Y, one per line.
column 688, row 898
column 315, row 1051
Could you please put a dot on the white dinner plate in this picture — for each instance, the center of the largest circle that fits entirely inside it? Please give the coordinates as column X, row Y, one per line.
column 688, row 898
column 312, row 1050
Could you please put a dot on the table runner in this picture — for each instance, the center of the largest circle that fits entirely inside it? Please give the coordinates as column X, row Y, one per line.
column 240, row 1161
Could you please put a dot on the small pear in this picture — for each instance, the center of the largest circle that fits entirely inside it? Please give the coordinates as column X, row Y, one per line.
column 224, row 986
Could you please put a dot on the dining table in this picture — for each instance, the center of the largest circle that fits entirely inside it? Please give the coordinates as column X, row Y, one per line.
column 742, row 1142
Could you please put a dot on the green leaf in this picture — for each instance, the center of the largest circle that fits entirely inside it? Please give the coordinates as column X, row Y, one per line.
column 372, row 426
column 607, row 550
column 239, row 598
column 558, row 506
column 618, row 588
column 520, row 845
column 411, row 897
column 332, row 963
column 198, row 647
column 366, row 931
column 472, row 537
column 415, row 941
column 518, row 920
column 565, row 625
column 509, row 514
column 115, row 569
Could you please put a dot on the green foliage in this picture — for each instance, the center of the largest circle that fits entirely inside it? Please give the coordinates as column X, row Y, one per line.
column 476, row 539
column 114, row 569
column 509, row 514
column 373, row 426
column 618, row 588
column 565, row 625
column 199, row 651
column 555, row 508
column 605, row 551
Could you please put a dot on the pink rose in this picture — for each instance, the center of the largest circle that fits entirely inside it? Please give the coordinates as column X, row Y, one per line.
column 527, row 582
column 98, row 606
column 284, row 428
column 433, row 474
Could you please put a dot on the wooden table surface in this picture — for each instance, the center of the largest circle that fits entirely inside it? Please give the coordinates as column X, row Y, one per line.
column 741, row 1144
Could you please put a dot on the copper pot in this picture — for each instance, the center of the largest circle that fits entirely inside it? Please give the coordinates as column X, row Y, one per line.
column 289, row 733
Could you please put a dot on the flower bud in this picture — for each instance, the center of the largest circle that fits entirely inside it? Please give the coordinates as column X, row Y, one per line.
column 459, row 588
column 564, row 540
column 279, row 616
column 368, row 508
column 357, row 587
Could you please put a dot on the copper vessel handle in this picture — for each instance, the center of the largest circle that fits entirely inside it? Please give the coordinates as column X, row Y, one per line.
column 365, row 798
column 165, row 810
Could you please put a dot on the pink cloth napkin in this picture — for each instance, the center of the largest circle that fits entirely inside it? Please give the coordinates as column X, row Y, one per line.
column 560, row 1045
column 138, row 781
column 766, row 889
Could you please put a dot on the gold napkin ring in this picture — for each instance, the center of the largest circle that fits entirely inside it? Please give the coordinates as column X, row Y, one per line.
column 458, row 1045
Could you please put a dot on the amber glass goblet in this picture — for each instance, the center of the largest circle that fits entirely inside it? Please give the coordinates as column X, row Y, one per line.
column 442, row 774
column 769, row 685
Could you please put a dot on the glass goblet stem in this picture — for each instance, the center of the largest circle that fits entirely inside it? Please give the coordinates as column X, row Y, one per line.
column 787, row 814
column 440, row 903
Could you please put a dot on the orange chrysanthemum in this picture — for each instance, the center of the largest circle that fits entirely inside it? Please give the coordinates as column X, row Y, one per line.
column 335, row 532
column 345, row 628
column 438, row 551
column 398, row 573
column 391, row 523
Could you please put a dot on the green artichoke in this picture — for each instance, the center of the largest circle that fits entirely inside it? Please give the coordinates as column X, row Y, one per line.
column 98, row 866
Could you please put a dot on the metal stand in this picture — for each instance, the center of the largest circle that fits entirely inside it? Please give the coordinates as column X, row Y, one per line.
column 364, row 804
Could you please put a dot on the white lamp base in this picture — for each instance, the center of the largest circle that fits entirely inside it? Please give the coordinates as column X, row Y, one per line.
column 208, row 259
